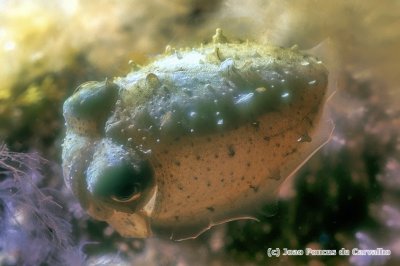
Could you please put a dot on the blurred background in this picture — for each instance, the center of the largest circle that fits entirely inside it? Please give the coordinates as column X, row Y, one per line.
column 346, row 196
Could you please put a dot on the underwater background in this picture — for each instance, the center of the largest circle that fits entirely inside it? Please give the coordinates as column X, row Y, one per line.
column 345, row 196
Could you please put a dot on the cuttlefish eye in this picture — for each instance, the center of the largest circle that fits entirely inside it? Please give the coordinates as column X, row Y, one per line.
column 122, row 182
column 115, row 177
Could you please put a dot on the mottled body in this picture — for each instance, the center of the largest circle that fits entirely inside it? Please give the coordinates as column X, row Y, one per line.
column 196, row 138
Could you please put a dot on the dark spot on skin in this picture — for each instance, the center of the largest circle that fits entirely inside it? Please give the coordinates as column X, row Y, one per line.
column 266, row 138
column 242, row 178
column 309, row 121
column 198, row 157
column 275, row 175
column 180, row 187
column 222, row 180
column 305, row 138
column 208, row 184
column 254, row 188
column 177, row 163
column 211, row 209
column 195, row 178
column 208, row 169
column 248, row 164
column 290, row 152
column 171, row 175
column 231, row 150
column 188, row 196
column 216, row 156
column 256, row 125
column 278, row 145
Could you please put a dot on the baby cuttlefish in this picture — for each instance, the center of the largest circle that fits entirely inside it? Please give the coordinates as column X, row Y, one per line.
column 196, row 138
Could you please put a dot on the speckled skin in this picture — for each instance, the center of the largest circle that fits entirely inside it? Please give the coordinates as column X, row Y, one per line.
column 196, row 138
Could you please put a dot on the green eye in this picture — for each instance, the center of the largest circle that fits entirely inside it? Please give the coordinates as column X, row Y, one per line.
column 120, row 183
column 115, row 177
